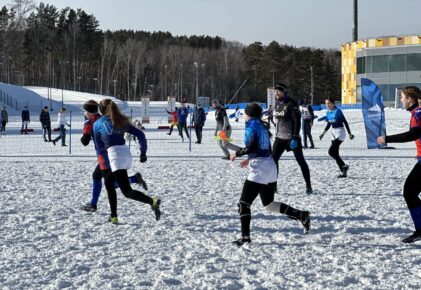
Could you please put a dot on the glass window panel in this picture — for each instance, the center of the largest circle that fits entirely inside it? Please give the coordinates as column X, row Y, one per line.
column 397, row 62
column 361, row 65
column 380, row 63
column 414, row 61
column 369, row 64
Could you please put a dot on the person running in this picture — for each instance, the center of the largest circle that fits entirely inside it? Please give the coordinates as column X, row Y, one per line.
column 109, row 135
column 199, row 119
column 26, row 119
column 174, row 119
column 222, row 127
column 307, row 116
column 182, row 114
column 44, row 118
column 91, row 114
column 262, row 176
column 412, row 187
column 336, row 119
column 61, row 121
column 4, row 120
column 288, row 132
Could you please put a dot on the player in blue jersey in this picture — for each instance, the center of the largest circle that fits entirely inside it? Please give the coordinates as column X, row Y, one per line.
column 336, row 119
column 109, row 134
column 262, row 175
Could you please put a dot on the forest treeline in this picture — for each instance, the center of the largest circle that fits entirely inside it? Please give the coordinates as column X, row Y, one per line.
column 42, row 45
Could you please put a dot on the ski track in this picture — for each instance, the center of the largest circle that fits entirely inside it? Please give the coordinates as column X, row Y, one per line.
column 354, row 243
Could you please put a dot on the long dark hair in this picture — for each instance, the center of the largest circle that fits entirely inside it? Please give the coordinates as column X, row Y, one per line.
column 109, row 108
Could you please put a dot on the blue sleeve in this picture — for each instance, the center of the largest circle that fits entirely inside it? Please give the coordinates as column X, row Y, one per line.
column 140, row 136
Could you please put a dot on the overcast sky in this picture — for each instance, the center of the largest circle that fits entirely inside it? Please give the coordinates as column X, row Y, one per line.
column 315, row 23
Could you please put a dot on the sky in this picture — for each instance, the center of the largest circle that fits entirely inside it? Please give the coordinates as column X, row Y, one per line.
column 313, row 23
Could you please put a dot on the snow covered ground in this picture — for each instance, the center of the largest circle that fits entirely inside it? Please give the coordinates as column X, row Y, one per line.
column 354, row 242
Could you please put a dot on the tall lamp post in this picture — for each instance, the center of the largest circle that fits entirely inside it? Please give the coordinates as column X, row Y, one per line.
column 115, row 88
column 203, row 65
column 95, row 81
column 273, row 77
column 62, row 64
column 79, row 78
column 165, row 81
column 181, row 82
column 197, row 81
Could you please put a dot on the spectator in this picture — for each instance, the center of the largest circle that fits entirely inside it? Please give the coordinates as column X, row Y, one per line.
column 44, row 118
column 25, row 120
column 4, row 120
column 199, row 118
column 61, row 120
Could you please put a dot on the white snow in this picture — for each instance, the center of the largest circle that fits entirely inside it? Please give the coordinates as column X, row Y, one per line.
column 354, row 243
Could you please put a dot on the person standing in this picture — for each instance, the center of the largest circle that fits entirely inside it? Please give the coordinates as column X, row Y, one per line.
column 336, row 119
column 412, row 187
column 26, row 119
column 199, row 118
column 174, row 121
column 222, row 126
column 182, row 114
column 262, row 176
column 237, row 114
column 4, row 120
column 288, row 127
column 61, row 121
column 307, row 116
column 270, row 116
column 91, row 114
column 109, row 135
column 44, row 118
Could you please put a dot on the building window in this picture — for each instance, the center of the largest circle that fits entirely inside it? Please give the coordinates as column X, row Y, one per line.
column 397, row 62
column 380, row 63
column 414, row 61
column 361, row 65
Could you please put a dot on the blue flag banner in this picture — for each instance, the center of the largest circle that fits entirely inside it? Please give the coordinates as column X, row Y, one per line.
column 373, row 113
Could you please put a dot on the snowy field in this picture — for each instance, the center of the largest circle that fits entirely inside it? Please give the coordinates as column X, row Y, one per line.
column 354, row 241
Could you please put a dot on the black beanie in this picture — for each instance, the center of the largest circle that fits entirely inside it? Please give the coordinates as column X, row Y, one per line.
column 91, row 106
column 253, row 110
column 281, row 87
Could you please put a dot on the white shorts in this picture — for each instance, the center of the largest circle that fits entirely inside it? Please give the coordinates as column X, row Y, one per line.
column 120, row 157
column 338, row 133
column 262, row 170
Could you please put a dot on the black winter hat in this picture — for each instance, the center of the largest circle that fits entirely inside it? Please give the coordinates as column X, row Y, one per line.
column 91, row 106
column 253, row 110
column 281, row 87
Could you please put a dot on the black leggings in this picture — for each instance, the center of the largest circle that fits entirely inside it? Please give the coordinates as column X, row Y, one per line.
column 412, row 187
column 121, row 177
column 267, row 192
column 182, row 126
column 334, row 152
column 198, row 130
column 278, row 149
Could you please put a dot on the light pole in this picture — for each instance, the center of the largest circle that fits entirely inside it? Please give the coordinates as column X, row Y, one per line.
column 79, row 79
column 311, row 83
column 181, row 82
column 273, row 77
column 204, row 78
column 165, row 81
column 95, row 81
column 62, row 63
column 115, row 87
column 197, row 81
column 1, row 71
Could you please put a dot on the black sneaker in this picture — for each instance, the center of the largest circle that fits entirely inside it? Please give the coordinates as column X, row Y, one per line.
column 309, row 190
column 226, row 158
column 155, row 207
column 141, row 181
column 89, row 208
column 344, row 171
column 169, row 134
column 241, row 241
column 305, row 221
column 54, row 142
column 416, row 236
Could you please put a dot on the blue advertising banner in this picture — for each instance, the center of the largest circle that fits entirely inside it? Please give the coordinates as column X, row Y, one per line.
column 373, row 113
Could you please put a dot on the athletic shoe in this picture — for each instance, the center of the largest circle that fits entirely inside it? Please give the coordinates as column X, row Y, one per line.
column 182, row 139
column 155, row 207
column 241, row 241
column 89, row 208
column 226, row 158
column 169, row 134
column 305, row 221
column 54, row 142
column 344, row 171
column 113, row 220
column 309, row 190
column 141, row 181
column 416, row 236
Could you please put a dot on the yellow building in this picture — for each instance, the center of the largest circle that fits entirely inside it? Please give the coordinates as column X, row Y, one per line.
column 391, row 62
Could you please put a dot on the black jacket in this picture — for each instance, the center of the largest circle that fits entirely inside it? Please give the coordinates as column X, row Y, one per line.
column 44, row 118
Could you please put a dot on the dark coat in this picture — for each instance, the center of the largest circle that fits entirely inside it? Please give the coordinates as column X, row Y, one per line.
column 199, row 117
column 44, row 118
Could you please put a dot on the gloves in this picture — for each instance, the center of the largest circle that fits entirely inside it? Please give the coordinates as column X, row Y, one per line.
column 321, row 136
column 143, row 158
column 293, row 144
column 351, row 136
